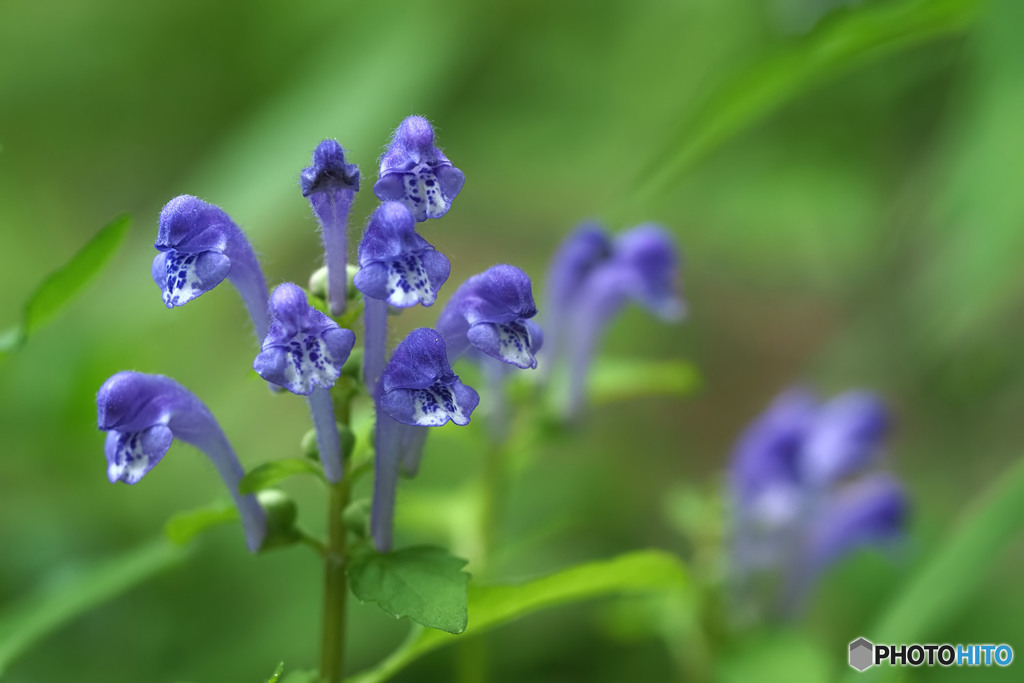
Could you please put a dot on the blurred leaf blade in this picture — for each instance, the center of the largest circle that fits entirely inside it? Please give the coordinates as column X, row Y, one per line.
column 831, row 49
column 493, row 606
column 277, row 673
column 50, row 607
column 59, row 288
column 272, row 473
column 186, row 525
column 424, row 583
column 620, row 379
column 943, row 586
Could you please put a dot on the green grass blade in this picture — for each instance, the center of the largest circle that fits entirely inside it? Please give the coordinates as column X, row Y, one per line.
column 944, row 585
column 833, row 48
column 57, row 291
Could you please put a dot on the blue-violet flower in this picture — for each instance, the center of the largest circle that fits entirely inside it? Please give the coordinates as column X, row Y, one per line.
column 592, row 277
column 415, row 172
column 143, row 413
column 303, row 352
column 199, row 246
column 330, row 185
column 396, row 267
column 491, row 312
column 805, row 490
column 417, row 390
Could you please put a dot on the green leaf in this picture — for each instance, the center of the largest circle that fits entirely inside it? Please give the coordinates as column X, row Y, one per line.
column 277, row 673
column 424, row 583
column 620, row 379
column 184, row 526
column 272, row 473
column 63, row 285
column 833, row 48
column 492, row 606
column 303, row 676
column 935, row 595
column 75, row 591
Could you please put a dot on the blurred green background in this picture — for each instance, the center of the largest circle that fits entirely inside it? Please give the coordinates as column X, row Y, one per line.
column 844, row 185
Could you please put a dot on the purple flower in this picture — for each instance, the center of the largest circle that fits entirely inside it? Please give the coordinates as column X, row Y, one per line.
column 303, row 352
column 491, row 312
column 143, row 413
column 415, row 172
column 199, row 246
column 396, row 267
column 417, row 390
column 396, row 264
column 803, row 491
column 304, row 349
column 330, row 184
column 590, row 280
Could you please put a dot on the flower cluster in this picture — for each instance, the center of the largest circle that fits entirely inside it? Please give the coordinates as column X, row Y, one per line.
column 303, row 350
column 806, row 489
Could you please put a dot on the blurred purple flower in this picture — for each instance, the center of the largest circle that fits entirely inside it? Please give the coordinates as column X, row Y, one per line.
column 415, row 172
column 143, row 413
column 303, row 352
column 804, row 490
column 416, row 390
column 330, row 185
column 396, row 267
column 199, row 246
column 591, row 278
column 491, row 312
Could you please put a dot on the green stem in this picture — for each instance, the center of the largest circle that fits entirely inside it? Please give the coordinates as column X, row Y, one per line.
column 335, row 587
column 332, row 659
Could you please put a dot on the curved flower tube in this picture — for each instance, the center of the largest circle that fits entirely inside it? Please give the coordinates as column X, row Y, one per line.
column 592, row 278
column 199, row 246
column 490, row 313
column 330, row 185
column 143, row 413
column 396, row 267
column 417, row 390
column 415, row 172
column 303, row 352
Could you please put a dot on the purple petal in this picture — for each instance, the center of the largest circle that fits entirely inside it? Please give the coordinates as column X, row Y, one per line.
column 769, row 451
column 508, row 342
column 846, row 437
column 329, row 172
column 418, row 362
column 183, row 277
column 130, row 455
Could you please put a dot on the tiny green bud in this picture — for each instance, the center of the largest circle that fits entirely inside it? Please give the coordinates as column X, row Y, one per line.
column 357, row 516
column 281, row 515
column 318, row 283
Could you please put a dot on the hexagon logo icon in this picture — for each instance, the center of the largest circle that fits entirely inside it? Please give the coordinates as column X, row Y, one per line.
column 862, row 654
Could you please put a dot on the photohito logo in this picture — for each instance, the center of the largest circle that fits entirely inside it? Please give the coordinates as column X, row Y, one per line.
column 865, row 654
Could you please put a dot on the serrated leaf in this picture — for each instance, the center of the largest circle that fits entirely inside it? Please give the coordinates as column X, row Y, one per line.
column 424, row 583
column 272, row 473
column 73, row 592
column 184, row 526
column 620, row 379
column 492, row 606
